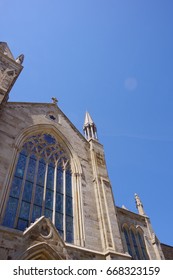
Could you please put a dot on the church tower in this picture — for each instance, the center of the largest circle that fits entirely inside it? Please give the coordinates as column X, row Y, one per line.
column 10, row 69
column 109, row 229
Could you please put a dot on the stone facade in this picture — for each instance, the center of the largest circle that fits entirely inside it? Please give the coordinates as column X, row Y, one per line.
column 98, row 225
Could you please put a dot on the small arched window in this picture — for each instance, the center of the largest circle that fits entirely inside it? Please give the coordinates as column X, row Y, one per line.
column 41, row 185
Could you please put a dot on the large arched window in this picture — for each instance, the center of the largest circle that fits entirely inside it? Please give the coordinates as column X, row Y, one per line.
column 41, row 185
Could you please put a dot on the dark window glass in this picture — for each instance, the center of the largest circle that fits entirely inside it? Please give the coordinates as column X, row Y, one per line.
column 24, row 210
column 69, row 237
column 59, row 183
column 49, row 199
column 135, row 245
column 50, row 177
column 69, row 224
column 128, row 242
column 59, row 203
column 48, row 214
column 27, row 194
column 142, row 244
column 59, row 221
column 49, row 139
column 68, row 184
column 31, row 170
column 22, row 224
column 69, row 206
column 20, row 168
column 38, row 195
column 36, row 213
column 10, row 212
column 41, row 173
column 16, row 187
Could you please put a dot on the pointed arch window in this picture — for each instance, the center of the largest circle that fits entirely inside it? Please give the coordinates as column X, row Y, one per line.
column 41, row 185
column 126, row 235
column 133, row 236
column 142, row 245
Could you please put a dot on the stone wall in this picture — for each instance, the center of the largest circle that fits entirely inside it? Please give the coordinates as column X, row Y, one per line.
column 167, row 251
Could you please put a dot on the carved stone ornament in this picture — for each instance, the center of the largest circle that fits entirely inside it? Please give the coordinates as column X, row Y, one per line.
column 100, row 159
column 45, row 230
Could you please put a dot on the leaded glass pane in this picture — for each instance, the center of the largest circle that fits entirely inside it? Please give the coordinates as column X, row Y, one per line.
column 59, row 221
column 59, row 183
column 22, row 224
column 16, row 187
column 38, row 195
column 69, row 206
column 48, row 213
column 10, row 212
column 69, row 224
column 41, row 173
column 49, row 199
column 20, row 168
column 50, row 177
column 24, row 210
column 69, row 237
column 31, row 170
column 68, row 183
column 59, row 202
column 49, row 139
column 27, row 194
column 36, row 213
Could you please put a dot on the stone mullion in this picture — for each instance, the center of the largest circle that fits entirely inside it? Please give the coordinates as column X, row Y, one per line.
column 44, row 193
column 33, row 191
column 54, row 194
column 64, row 204
column 21, row 193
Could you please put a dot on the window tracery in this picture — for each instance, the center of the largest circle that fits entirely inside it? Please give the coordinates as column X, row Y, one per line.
column 135, row 243
column 41, row 185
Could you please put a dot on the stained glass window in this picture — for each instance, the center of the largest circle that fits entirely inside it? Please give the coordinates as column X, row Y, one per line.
column 41, row 185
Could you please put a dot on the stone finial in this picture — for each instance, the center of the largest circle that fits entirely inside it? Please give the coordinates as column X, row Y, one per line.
column 20, row 59
column 54, row 100
column 89, row 128
column 139, row 205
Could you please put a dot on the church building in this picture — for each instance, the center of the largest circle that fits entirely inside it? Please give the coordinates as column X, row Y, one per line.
column 56, row 200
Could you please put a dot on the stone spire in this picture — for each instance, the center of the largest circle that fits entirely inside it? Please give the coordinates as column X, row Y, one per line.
column 89, row 128
column 139, row 205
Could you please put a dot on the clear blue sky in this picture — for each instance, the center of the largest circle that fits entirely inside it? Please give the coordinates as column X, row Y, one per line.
column 113, row 58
